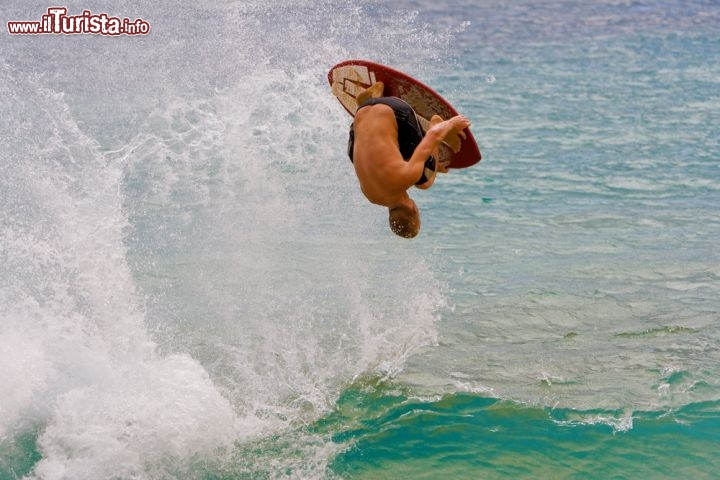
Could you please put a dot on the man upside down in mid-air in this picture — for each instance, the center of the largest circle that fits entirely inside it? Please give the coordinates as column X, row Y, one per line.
column 390, row 154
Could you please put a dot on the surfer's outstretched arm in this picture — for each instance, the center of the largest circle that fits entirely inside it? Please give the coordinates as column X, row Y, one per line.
column 435, row 135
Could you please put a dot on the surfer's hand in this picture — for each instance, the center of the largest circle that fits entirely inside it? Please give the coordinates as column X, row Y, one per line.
column 460, row 122
column 452, row 131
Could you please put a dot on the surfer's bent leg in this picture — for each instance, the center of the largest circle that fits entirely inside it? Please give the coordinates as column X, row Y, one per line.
column 432, row 166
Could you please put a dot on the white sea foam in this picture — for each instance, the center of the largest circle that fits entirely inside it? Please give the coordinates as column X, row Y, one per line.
column 187, row 262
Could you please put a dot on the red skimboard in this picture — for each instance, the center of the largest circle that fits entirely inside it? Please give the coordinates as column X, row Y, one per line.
column 350, row 77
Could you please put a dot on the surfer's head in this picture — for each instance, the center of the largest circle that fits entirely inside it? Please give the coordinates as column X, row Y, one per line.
column 405, row 219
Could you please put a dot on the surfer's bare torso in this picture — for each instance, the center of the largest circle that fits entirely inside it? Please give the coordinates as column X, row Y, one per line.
column 383, row 173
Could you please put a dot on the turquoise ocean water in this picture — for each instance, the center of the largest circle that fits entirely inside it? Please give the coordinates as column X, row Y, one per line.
column 193, row 287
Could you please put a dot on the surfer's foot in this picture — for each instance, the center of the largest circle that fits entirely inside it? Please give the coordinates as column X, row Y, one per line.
column 373, row 91
column 442, row 165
